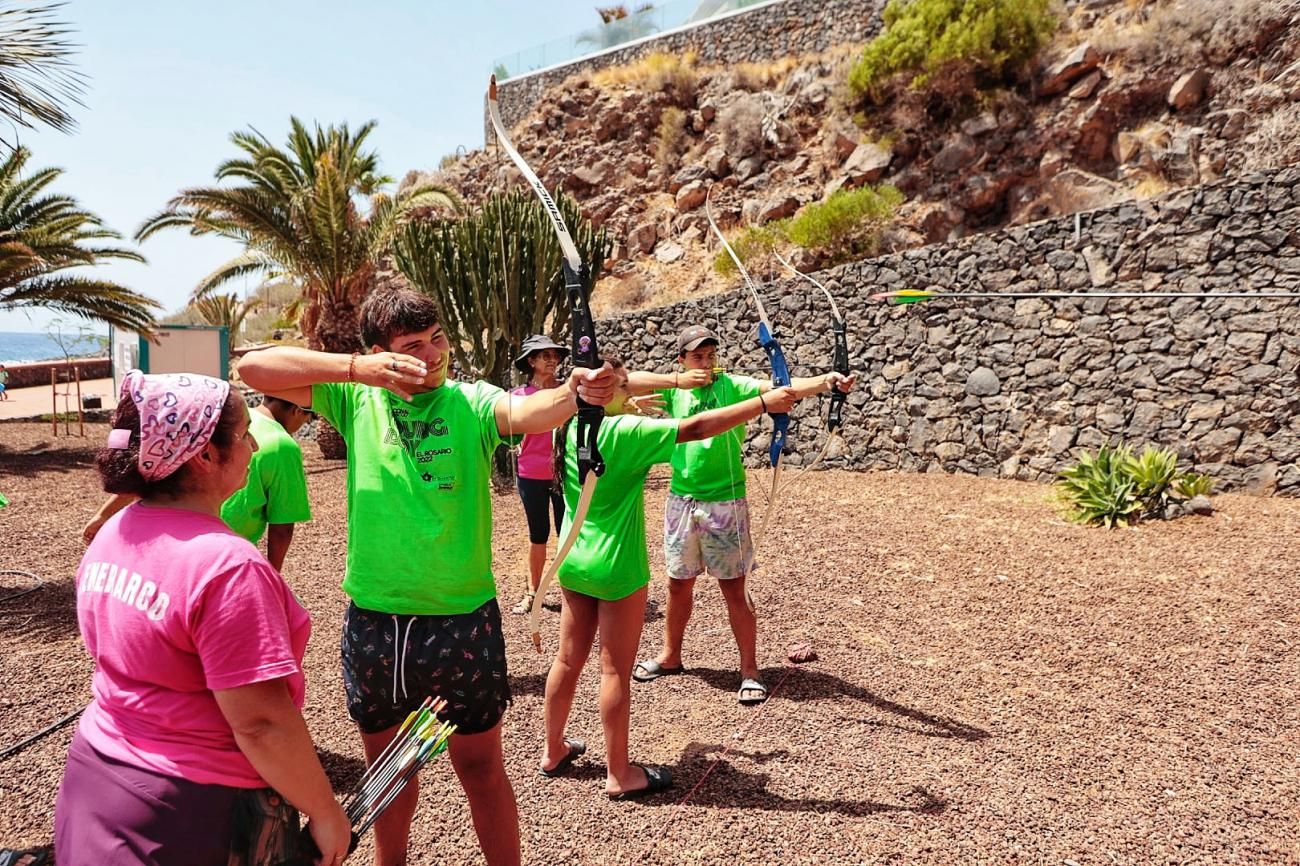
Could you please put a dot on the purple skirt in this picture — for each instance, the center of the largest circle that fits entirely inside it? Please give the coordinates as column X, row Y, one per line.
column 113, row 814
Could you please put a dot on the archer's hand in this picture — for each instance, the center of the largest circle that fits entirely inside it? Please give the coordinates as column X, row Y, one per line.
column 647, row 404
column 391, row 370
column 780, row 401
column 839, row 381
column 596, row 387
column 694, row 379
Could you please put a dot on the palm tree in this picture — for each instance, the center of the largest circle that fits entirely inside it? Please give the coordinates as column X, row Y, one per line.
column 228, row 311
column 44, row 235
column 37, row 80
column 311, row 212
column 296, row 212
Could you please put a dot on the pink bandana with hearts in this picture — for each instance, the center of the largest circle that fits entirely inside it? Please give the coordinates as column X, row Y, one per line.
column 178, row 414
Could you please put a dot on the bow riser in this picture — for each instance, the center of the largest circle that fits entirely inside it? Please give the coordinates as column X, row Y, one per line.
column 586, row 353
column 840, row 364
column 780, row 378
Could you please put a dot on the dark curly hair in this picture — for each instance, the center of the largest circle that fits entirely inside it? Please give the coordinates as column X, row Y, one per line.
column 119, row 468
column 389, row 313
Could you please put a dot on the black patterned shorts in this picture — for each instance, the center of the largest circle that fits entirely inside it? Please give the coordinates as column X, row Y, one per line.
column 391, row 662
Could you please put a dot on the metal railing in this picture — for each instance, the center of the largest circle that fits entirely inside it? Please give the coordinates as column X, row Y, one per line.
column 602, row 37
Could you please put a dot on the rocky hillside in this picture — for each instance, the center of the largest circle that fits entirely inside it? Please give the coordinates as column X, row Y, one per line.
column 1131, row 99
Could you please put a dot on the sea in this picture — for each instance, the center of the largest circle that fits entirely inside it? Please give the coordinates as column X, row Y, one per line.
column 19, row 347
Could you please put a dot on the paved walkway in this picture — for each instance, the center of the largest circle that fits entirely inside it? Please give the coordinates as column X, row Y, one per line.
column 36, row 401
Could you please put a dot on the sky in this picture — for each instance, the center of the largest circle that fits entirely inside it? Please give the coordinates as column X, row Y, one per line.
column 169, row 80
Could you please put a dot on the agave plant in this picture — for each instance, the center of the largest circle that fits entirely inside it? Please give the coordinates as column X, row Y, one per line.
column 1099, row 488
column 1192, row 484
column 1153, row 471
column 43, row 235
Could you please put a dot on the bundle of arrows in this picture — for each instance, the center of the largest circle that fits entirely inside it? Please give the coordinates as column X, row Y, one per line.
column 418, row 740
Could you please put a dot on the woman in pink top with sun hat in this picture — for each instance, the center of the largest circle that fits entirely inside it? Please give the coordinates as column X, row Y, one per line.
column 539, row 358
column 194, row 749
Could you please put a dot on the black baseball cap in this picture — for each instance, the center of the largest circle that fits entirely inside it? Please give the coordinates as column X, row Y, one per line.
column 536, row 343
column 693, row 337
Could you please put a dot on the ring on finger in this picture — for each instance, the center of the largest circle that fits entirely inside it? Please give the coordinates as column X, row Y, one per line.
column 392, row 365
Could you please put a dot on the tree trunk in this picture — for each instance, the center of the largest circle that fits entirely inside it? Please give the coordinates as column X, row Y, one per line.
column 337, row 329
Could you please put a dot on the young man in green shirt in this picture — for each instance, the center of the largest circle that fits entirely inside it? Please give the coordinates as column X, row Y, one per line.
column 273, row 498
column 706, row 519
column 424, row 618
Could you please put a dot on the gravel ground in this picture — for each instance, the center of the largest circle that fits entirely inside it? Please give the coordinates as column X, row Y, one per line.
column 994, row 685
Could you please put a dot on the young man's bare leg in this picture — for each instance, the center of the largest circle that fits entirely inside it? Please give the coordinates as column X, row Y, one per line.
column 681, row 601
column 577, row 632
column 393, row 828
column 620, row 635
column 481, row 769
column 744, row 625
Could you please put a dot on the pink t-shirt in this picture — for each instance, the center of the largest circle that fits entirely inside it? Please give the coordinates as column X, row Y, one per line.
column 535, row 452
column 172, row 606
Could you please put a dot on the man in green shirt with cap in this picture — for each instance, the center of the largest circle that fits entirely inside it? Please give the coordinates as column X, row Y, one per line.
column 706, row 518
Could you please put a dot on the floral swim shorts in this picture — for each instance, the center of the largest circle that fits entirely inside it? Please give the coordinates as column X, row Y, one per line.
column 707, row 536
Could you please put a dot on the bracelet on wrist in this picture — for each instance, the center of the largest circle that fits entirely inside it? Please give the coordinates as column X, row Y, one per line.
column 762, row 403
column 352, row 367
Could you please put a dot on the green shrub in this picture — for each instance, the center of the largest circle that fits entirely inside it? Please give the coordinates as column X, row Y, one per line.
column 845, row 226
column 752, row 243
column 1114, row 485
column 922, row 36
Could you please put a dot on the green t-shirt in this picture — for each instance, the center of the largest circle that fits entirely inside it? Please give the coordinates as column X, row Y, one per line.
column 710, row 470
column 419, row 494
column 609, row 560
column 276, row 490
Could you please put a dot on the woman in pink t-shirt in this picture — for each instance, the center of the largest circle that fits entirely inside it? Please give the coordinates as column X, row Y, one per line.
column 539, row 358
column 193, row 749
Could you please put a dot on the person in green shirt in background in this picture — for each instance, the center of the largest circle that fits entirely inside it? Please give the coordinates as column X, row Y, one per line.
column 605, row 575
column 273, row 498
column 423, row 618
column 706, row 519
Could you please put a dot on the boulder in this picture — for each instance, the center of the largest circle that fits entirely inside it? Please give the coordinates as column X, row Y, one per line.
column 716, row 162
column 748, row 167
column 691, row 196
column 958, row 152
column 669, row 252
column 983, row 123
column 777, row 208
column 1060, row 75
column 642, row 238
column 1189, row 90
column 1087, row 85
column 692, row 173
column 866, row 164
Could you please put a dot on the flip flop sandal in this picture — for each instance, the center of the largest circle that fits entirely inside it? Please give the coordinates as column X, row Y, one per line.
column 577, row 748
column 751, row 686
column 525, row 604
column 650, row 670
column 656, row 779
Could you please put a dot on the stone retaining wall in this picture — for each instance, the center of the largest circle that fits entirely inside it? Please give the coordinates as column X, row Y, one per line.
column 771, row 31
column 38, row 373
column 1013, row 388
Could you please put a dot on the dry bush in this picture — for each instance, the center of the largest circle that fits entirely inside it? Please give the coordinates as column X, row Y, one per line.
column 1189, row 31
column 740, row 125
column 669, row 137
column 1276, row 140
column 675, row 74
column 1151, row 185
column 763, row 76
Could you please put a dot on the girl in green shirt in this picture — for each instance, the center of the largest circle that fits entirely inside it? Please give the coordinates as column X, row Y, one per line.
column 605, row 575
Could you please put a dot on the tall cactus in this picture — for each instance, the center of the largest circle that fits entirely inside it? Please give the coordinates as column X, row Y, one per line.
column 495, row 275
